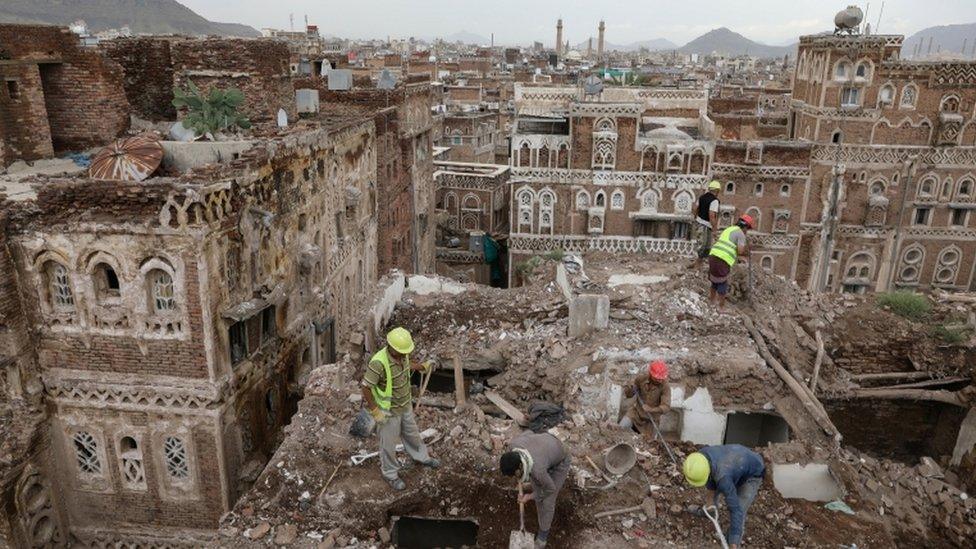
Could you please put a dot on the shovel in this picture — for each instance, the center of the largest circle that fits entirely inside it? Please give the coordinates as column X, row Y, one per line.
column 520, row 539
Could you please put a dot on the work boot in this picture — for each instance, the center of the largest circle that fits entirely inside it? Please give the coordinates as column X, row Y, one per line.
column 397, row 484
column 540, row 543
column 432, row 463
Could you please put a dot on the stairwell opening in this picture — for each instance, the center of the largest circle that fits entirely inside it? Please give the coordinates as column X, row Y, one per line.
column 755, row 429
column 430, row 533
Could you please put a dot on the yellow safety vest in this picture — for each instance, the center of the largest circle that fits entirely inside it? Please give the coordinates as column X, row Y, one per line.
column 384, row 397
column 724, row 248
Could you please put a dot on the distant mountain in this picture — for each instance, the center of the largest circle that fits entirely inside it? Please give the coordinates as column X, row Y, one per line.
column 141, row 16
column 653, row 44
column 948, row 38
column 466, row 37
column 726, row 42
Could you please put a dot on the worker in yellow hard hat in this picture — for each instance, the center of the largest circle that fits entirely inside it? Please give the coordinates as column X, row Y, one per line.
column 386, row 390
column 733, row 471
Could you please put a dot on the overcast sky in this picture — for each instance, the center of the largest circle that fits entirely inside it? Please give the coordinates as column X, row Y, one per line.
column 523, row 21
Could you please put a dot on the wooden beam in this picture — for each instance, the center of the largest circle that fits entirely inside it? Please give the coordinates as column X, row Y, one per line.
column 923, row 384
column 505, row 406
column 946, row 397
column 459, row 393
column 810, row 402
column 891, row 375
column 817, row 363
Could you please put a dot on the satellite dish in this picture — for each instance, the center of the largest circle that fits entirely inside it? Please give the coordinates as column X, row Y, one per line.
column 179, row 132
column 326, row 67
column 127, row 159
column 282, row 118
column 386, row 81
column 593, row 85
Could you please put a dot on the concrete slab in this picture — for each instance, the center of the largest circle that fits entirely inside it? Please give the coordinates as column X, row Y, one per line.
column 700, row 423
column 812, row 482
column 635, row 280
column 966, row 440
column 186, row 155
column 426, row 285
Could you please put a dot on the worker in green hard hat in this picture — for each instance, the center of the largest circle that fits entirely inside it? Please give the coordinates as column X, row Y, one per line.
column 386, row 390
column 733, row 471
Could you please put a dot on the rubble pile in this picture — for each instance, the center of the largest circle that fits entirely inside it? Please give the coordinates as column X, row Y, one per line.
column 515, row 343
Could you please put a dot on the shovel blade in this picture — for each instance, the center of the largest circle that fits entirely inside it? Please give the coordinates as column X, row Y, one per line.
column 521, row 540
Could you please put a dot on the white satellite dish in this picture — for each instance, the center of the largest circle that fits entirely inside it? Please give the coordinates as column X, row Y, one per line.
column 282, row 118
column 386, row 81
column 593, row 85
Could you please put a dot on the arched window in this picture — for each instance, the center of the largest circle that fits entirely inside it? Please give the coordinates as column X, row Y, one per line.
column 451, row 202
column 877, row 188
column 863, row 70
column 162, row 298
column 756, row 216
column 106, row 282
column 837, row 137
column 886, row 95
column 784, row 189
column 133, row 472
column 582, row 200
column 601, row 199
column 926, row 188
column 909, row 94
column 730, row 188
column 949, row 103
column 860, row 268
column 912, row 259
column 842, row 70
column 649, row 201
column 683, row 202
column 617, row 200
column 965, row 189
column 471, row 202
column 758, row 189
column 60, row 295
column 946, row 193
column 766, row 263
column 605, row 125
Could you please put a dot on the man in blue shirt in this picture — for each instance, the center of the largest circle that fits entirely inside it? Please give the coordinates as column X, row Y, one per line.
column 732, row 470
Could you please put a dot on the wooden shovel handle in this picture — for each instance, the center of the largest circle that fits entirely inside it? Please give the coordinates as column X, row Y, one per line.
column 521, row 507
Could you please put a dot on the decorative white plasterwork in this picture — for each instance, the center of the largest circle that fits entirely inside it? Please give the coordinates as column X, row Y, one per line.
column 525, row 243
column 762, row 171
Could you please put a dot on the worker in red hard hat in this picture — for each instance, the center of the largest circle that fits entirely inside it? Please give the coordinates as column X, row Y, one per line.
column 731, row 245
column 652, row 397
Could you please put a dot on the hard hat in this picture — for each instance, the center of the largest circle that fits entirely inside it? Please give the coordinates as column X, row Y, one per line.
column 747, row 219
column 696, row 469
column 658, row 370
column 400, row 340
column 714, row 185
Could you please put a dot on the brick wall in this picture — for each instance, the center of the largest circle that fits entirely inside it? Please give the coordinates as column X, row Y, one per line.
column 148, row 68
column 259, row 68
column 83, row 92
column 24, row 130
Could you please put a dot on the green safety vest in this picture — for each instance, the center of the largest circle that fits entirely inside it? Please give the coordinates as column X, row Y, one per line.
column 724, row 248
column 384, row 397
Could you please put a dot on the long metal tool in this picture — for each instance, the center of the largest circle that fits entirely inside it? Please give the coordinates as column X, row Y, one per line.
column 657, row 432
column 714, row 518
column 520, row 539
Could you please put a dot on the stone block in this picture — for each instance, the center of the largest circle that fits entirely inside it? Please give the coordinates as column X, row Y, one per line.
column 182, row 156
column 588, row 313
column 812, row 482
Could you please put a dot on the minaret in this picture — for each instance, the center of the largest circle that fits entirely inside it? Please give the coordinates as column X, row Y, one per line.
column 559, row 36
column 599, row 42
column 589, row 49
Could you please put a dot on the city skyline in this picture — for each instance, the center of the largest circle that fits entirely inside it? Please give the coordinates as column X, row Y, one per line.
column 627, row 21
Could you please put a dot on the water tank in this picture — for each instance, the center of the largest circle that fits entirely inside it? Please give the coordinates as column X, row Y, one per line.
column 848, row 19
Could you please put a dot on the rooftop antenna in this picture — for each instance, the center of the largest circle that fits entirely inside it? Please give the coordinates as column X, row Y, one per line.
column 291, row 21
column 880, row 13
column 306, row 20
column 867, row 26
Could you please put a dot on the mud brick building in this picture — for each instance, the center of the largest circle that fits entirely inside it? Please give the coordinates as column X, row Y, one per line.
column 404, row 169
column 56, row 96
column 169, row 321
column 893, row 165
column 471, row 136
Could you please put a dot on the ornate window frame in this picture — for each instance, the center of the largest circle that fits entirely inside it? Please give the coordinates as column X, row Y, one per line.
column 908, row 102
column 618, row 200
